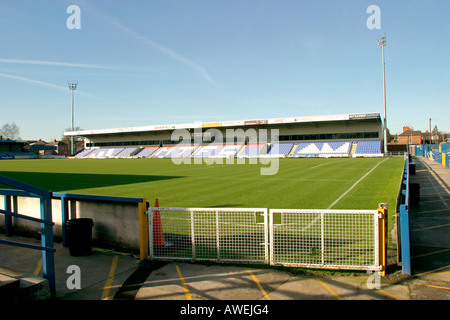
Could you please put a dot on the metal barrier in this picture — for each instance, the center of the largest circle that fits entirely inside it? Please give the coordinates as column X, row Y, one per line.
column 440, row 153
column 330, row 239
column 403, row 229
column 344, row 239
column 209, row 234
column 46, row 222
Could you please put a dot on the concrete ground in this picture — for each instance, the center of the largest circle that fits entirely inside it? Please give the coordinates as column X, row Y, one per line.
column 112, row 275
column 430, row 231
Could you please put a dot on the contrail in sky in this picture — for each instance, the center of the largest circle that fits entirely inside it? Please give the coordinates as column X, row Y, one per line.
column 173, row 54
column 168, row 51
column 54, row 63
column 42, row 83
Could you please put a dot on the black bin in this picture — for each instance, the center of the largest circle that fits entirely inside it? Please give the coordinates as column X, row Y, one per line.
column 412, row 168
column 79, row 236
column 414, row 194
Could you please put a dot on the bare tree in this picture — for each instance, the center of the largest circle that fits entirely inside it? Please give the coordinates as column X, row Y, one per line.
column 78, row 141
column 10, row 131
column 437, row 135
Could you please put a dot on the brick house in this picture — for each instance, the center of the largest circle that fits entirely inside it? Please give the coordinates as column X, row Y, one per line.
column 409, row 136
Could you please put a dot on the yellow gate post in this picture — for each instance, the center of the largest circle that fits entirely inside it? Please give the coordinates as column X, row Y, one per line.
column 382, row 236
column 143, row 230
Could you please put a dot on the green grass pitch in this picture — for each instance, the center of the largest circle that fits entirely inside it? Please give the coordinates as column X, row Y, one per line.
column 335, row 183
column 299, row 183
column 308, row 183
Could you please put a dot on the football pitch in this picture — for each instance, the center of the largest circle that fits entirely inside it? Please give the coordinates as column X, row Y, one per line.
column 308, row 183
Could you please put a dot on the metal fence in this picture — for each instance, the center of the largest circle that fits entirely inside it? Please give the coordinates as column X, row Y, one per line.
column 46, row 223
column 214, row 234
column 331, row 239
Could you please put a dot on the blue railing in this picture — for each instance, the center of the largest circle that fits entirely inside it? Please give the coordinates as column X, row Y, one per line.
column 46, row 222
column 25, row 190
column 403, row 210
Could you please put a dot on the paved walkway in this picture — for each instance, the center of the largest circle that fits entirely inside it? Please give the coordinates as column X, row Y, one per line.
column 430, row 231
column 109, row 275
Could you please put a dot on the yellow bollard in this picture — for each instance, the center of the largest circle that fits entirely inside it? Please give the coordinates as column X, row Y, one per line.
column 382, row 237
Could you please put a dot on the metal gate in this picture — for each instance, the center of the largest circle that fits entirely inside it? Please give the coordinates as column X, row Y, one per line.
column 209, row 234
column 330, row 239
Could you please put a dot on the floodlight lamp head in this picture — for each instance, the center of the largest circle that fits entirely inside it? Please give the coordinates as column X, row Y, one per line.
column 381, row 41
column 72, row 85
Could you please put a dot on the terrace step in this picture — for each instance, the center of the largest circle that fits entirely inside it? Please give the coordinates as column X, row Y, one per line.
column 16, row 286
column 353, row 149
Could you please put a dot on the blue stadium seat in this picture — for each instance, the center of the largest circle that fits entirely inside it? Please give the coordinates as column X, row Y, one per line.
column 368, row 147
column 323, row 148
column 280, row 148
column 251, row 150
column 145, row 152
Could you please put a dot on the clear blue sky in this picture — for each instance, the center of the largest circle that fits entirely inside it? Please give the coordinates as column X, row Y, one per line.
column 180, row 61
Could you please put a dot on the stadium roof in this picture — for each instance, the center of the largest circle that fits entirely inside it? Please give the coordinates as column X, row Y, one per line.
column 235, row 123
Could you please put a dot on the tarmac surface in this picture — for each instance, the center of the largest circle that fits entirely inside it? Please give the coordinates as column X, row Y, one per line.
column 112, row 275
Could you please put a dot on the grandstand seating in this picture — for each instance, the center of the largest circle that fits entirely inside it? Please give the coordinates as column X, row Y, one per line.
column 17, row 155
column 174, row 152
column 251, row 150
column 280, row 148
column 182, row 151
column 229, row 151
column 337, row 148
column 368, row 147
column 208, row 151
column 127, row 152
column 301, row 149
column 83, row 153
column 162, row 152
column 145, row 152
column 104, row 152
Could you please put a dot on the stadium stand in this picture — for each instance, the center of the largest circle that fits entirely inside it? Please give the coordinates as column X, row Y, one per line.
column 162, row 152
column 174, row 152
column 251, row 150
column 230, row 151
column 104, row 153
column 280, row 149
column 145, row 152
column 18, row 155
column 292, row 149
column 83, row 153
column 368, row 147
column 13, row 149
column 127, row 152
column 208, row 151
column 314, row 149
column 216, row 151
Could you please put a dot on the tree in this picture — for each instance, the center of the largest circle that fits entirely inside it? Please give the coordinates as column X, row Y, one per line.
column 389, row 136
column 10, row 131
column 436, row 134
column 78, row 141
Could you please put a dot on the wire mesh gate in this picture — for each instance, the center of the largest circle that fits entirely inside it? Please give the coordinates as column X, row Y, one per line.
column 331, row 239
column 214, row 234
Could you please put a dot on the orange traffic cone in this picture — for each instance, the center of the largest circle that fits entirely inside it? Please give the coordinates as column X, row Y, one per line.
column 158, row 234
